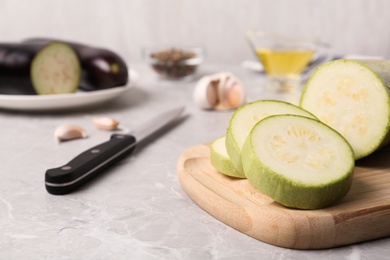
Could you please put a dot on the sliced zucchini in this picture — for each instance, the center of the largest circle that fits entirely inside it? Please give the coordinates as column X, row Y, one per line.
column 298, row 161
column 352, row 97
column 246, row 116
column 220, row 159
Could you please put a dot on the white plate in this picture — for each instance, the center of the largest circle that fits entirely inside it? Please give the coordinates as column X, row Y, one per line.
column 63, row 101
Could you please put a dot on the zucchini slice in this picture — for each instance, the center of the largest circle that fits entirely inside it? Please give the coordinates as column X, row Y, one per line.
column 298, row 161
column 220, row 159
column 246, row 116
column 352, row 97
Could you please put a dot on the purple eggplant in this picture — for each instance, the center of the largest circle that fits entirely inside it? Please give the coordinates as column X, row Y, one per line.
column 30, row 69
column 102, row 68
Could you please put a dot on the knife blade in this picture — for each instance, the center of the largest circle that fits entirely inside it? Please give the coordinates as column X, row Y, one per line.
column 85, row 166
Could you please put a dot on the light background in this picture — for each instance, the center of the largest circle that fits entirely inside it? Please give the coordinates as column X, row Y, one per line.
column 351, row 26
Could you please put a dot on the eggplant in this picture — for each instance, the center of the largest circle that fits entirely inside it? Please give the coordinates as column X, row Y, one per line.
column 102, row 68
column 15, row 63
column 30, row 69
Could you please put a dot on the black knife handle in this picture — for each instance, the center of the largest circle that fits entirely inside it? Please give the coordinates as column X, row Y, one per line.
column 64, row 179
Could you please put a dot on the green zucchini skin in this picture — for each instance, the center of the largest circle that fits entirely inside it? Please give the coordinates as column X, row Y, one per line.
column 15, row 64
column 102, row 68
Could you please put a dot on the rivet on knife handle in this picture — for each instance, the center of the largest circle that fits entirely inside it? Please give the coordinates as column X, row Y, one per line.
column 82, row 168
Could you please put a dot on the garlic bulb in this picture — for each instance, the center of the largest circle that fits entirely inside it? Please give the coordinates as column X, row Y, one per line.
column 219, row 91
column 69, row 132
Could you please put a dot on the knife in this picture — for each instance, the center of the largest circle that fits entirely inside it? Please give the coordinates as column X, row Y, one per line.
column 85, row 166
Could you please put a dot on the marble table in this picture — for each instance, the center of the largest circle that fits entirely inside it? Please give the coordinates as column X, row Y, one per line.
column 137, row 209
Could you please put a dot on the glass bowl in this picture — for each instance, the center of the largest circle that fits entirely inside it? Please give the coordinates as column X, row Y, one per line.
column 174, row 63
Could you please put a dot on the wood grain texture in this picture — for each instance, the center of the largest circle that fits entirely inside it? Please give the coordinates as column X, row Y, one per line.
column 364, row 214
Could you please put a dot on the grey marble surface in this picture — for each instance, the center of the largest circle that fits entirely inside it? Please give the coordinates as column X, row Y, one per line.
column 136, row 210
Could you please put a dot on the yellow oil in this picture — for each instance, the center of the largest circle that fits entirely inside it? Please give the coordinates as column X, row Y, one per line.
column 284, row 63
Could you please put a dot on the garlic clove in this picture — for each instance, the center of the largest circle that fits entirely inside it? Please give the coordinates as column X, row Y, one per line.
column 220, row 91
column 69, row 132
column 105, row 123
column 232, row 93
column 205, row 94
column 212, row 93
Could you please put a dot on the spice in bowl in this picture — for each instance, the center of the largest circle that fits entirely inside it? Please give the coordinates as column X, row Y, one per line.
column 175, row 63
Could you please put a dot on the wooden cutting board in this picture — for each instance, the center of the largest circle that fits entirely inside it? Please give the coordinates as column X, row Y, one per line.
column 364, row 214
